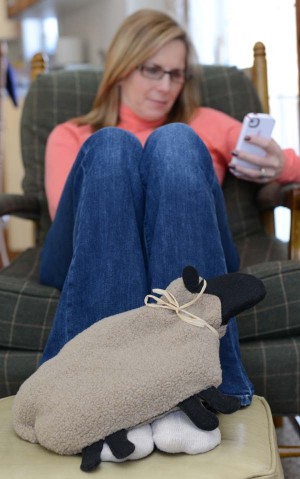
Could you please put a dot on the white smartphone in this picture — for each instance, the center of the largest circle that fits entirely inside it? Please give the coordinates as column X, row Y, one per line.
column 254, row 124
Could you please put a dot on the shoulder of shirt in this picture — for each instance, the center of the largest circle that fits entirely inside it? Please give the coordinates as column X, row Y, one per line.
column 206, row 114
column 71, row 129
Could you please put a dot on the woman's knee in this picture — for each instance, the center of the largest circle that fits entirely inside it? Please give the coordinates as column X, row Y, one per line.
column 176, row 147
column 111, row 150
column 176, row 134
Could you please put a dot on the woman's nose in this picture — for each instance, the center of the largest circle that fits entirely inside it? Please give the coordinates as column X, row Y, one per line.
column 165, row 82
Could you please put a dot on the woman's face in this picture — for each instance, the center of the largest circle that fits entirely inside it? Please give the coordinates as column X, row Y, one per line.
column 152, row 99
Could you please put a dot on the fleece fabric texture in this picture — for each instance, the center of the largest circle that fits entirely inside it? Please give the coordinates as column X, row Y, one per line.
column 121, row 372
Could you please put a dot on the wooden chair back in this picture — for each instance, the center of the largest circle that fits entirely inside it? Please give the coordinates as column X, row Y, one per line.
column 39, row 65
column 258, row 74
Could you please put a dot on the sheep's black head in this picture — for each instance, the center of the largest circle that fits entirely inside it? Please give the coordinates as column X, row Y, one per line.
column 236, row 291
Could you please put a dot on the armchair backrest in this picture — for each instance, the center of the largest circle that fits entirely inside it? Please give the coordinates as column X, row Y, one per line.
column 58, row 96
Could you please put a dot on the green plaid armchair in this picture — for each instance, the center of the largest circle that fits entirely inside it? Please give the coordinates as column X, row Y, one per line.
column 270, row 333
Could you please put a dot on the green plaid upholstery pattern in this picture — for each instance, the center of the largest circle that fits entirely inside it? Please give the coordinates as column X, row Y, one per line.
column 273, row 366
column 277, row 316
column 20, row 292
column 269, row 340
column 15, row 367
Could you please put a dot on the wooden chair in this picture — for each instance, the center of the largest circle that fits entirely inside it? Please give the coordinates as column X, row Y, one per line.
column 291, row 194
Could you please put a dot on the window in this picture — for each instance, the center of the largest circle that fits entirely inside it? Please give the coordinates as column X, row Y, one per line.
column 39, row 35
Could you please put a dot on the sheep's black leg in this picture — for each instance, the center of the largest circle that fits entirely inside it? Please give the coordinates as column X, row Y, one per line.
column 91, row 456
column 220, row 402
column 119, row 444
column 198, row 414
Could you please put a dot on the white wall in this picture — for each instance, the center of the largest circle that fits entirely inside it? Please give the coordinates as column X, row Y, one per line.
column 95, row 25
column 8, row 27
column 133, row 5
column 20, row 232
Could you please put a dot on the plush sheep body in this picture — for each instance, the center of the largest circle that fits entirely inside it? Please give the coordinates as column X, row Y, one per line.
column 124, row 370
column 132, row 368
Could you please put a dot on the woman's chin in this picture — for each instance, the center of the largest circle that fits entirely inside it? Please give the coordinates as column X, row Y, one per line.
column 155, row 114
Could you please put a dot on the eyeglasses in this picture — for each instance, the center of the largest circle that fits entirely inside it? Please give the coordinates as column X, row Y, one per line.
column 155, row 72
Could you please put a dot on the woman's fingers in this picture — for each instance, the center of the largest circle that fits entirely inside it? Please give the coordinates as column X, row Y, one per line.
column 264, row 169
column 262, row 175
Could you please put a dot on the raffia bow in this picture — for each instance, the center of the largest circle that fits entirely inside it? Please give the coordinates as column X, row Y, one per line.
column 172, row 304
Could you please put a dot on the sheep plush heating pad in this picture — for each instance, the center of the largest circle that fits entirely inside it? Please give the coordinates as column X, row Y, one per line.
column 130, row 369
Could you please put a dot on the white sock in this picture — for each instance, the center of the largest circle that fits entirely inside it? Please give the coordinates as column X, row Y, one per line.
column 142, row 439
column 176, row 433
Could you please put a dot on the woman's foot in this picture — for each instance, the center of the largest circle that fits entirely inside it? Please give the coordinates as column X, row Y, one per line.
column 176, row 433
column 141, row 437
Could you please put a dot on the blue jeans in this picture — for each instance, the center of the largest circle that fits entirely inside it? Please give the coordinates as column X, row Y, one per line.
column 130, row 218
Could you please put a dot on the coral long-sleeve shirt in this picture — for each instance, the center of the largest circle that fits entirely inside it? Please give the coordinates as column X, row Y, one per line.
column 218, row 131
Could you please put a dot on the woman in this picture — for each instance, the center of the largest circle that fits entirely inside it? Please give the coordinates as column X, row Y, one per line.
column 143, row 198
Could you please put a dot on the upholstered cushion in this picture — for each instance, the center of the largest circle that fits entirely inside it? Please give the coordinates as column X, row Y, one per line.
column 260, row 248
column 277, row 316
column 273, row 366
column 248, row 449
column 27, row 308
column 15, row 367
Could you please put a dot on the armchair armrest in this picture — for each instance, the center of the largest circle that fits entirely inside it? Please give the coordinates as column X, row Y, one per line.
column 274, row 194
column 291, row 199
column 23, row 206
column 268, row 198
column 291, row 195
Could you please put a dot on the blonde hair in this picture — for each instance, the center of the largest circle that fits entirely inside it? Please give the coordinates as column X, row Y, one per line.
column 139, row 37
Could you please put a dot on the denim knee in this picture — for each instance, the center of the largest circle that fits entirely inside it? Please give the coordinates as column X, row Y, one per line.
column 111, row 150
column 176, row 150
column 172, row 135
column 107, row 161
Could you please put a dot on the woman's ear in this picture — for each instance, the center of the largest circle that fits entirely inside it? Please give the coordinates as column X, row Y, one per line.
column 123, row 78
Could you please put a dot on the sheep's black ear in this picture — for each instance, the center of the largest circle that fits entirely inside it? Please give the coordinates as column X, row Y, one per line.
column 190, row 279
column 237, row 292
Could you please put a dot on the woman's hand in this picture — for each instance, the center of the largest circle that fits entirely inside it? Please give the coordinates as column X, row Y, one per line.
column 269, row 167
